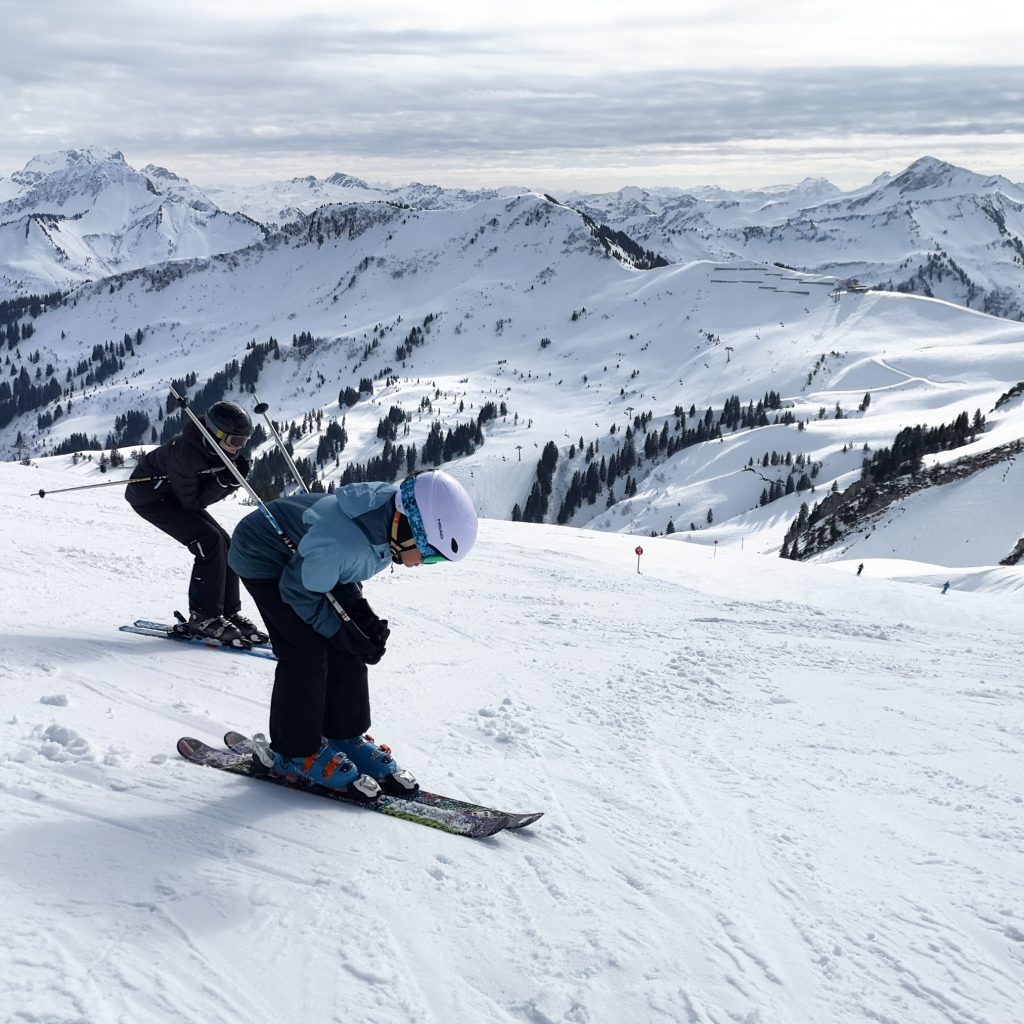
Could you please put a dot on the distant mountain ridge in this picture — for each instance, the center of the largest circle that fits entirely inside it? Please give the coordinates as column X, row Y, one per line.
column 933, row 229
column 84, row 215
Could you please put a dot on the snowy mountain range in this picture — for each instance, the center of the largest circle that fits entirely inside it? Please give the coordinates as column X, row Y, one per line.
column 84, row 215
column 934, row 230
column 710, row 398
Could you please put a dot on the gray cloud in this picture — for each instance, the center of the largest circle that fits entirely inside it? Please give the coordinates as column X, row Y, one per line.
column 157, row 82
column 455, row 112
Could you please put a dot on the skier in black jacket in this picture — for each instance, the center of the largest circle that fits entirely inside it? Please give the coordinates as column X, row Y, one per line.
column 195, row 478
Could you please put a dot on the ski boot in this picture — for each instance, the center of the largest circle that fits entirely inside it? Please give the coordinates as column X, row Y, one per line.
column 213, row 627
column 248, row 629
column 376, row 761
column 326, row 767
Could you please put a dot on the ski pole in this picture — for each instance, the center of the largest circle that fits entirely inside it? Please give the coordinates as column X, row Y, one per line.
column 112, row 483
column 261, row 408
column 285, row 539
column 106, row 483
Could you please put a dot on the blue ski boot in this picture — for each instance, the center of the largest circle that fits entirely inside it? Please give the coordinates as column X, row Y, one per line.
column 329, row 767
column 376, row 761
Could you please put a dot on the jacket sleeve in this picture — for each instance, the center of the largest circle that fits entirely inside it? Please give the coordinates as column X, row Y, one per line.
column 331, row 553
column 309, row 605
column 194, row 488
column 216, row 485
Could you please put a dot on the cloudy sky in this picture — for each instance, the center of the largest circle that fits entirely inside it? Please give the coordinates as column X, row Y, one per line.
column 592, row 95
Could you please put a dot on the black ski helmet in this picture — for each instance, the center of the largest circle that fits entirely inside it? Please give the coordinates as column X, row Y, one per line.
column 229, row 422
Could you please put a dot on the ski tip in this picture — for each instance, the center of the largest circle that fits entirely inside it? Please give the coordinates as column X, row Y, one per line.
column 492, row 827
column 232, row 738
column 187, row 746
column 522, row 820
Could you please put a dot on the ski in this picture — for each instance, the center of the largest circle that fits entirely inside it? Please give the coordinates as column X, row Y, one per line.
column 144, row 628
column 456, row 822
column 241, row 744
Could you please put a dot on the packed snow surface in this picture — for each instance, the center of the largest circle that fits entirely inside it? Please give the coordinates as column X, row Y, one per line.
column 773, row 791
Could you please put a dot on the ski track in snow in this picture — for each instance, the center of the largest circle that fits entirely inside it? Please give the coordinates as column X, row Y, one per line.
column 799, row 808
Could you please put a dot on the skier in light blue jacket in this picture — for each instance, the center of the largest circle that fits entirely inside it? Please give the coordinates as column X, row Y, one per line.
column 320, row 707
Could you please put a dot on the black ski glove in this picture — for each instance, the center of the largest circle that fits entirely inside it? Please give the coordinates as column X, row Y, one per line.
column 242, row 465
column 362, row 634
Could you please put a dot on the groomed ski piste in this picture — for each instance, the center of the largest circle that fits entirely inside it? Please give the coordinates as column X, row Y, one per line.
column 773, row 791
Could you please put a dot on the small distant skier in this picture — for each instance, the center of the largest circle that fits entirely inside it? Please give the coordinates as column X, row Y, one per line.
column 320, row 706
column 860, row 568
column 945, row 586
column 190, row 476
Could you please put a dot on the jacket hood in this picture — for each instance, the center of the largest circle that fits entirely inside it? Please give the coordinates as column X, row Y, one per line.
column 356, row 499
column 337, row 547
column 352, row 500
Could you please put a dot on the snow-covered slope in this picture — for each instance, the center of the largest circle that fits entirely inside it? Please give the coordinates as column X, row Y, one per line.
column 772, row 792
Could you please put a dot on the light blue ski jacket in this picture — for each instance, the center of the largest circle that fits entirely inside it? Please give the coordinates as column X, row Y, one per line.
column 343, row 538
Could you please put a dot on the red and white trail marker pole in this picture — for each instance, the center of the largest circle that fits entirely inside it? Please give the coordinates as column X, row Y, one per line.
column 639, row 552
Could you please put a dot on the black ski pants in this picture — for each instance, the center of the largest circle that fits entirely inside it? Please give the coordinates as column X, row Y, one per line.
column 213, row 588
column 319, row 688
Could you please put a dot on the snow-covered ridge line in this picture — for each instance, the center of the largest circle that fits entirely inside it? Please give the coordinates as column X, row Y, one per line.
column 932, row 229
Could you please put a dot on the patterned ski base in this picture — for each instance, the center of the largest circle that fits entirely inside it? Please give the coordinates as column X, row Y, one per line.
column 456, row 822
column 144, row 627
column 241, row 744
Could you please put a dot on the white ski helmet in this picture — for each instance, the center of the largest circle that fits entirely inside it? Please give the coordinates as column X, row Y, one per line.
column 440, row 512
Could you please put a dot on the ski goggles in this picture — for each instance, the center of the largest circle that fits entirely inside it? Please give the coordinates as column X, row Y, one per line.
column 231, row 440
column 402, row 539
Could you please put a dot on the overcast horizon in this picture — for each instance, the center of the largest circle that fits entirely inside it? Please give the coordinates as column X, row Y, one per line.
column 592, row 97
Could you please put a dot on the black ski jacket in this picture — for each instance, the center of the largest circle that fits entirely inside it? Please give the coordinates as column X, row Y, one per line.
column 182, row 460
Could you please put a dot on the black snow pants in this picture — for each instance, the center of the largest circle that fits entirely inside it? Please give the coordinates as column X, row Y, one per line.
column 213, row 589
column 319, row 688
